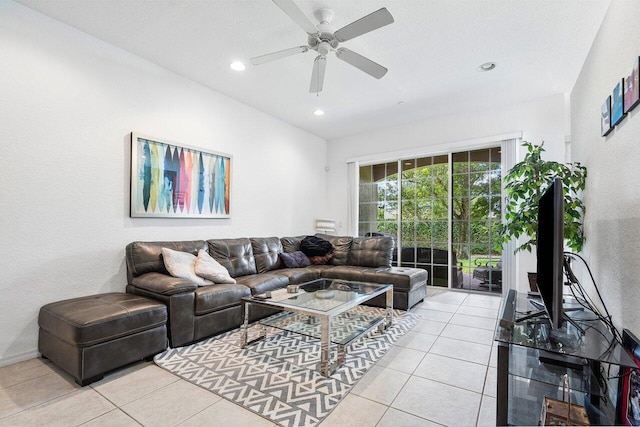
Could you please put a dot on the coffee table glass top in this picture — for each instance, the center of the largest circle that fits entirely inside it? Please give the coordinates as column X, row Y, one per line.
column 345, row 327
column 325, row 295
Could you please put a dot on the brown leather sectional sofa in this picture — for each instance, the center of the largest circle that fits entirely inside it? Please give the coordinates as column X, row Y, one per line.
column 199, row 312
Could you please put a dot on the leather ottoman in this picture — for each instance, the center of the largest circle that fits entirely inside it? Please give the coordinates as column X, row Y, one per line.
column 92, row 335
column 409, row 285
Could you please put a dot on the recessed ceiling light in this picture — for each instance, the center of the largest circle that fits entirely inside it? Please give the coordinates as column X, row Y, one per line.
column 237, row 66
column 319, row 112
column 487, row 66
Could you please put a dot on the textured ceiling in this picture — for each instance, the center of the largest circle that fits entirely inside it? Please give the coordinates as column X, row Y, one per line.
column 432, row 51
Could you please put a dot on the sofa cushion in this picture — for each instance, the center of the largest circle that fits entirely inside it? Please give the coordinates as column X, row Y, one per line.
column 261, row 283
column 291, row 244
column 346, row 272
column 210, row 269
column 182, row 264
column 213, row 298
column 341, row 247
column 236, row 255
column 402, row 278
column 146, row 257
column 371, row 251
column 295, row 259
column 265, row 252
column 297, row 276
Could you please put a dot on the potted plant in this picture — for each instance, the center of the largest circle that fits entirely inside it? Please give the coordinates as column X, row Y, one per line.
column 525, row 183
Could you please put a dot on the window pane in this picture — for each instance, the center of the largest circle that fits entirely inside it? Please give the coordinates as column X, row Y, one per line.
column 460, row 208
column 479, row 160
column 460, row 162
column 408, row 189
column 459, row 232
column 479, row 184
column 460, row 185
column 424, row 209
column 424, row 231
column 408, row 210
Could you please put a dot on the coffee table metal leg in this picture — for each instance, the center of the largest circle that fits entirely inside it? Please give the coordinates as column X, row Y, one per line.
column 324, row 346
column 244, row 328
column 245, row 324
column 341, row 355
column 389, row 304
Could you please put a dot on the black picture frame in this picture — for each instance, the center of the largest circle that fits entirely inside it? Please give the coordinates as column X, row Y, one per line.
column 632, row 87
column 617, row 103
column 605, row 117
column 628, row 407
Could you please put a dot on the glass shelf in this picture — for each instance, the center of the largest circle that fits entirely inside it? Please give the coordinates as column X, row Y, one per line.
column 586, row 337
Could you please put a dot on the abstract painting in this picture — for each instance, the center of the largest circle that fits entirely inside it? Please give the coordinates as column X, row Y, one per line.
column 617, row 103
column 632, row 89
column 173, row 181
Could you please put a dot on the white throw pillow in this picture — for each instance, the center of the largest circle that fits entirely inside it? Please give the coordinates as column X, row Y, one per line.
column 182, row 264
column 211, row 269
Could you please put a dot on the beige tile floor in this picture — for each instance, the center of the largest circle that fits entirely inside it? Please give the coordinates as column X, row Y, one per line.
column 443, row 372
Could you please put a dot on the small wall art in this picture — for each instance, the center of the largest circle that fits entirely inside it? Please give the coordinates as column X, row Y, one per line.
column 605, row 117
column 624, row 98
column 617, row 103
column 174, row 181
column 632, row 88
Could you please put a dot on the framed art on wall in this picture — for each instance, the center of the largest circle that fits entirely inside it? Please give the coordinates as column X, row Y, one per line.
column 632, row 89
column 617, row 103
column 605, row 117
column 175, row 181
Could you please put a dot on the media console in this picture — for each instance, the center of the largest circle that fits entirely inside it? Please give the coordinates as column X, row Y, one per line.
column 533, row 357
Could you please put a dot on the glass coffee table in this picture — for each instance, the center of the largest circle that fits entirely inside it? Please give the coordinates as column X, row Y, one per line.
column 320, row 309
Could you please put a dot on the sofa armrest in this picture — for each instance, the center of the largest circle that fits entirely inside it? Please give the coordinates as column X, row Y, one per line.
column 163, row 284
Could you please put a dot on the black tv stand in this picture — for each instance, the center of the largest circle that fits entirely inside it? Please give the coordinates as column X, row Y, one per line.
column 533, row 358
column 563, row 360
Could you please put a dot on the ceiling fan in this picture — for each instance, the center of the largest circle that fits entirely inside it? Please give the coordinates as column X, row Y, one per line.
column 323, row 39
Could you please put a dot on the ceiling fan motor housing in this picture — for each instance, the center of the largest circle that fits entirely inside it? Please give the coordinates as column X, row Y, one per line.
column 324, row 42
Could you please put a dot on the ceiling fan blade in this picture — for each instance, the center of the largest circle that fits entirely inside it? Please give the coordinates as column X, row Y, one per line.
column 257, row 60
column 293, row 11
column 317, row 76
column 371, row 22
column 362, row 63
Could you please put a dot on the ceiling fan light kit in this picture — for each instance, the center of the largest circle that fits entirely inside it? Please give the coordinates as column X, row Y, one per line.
column 323, row 39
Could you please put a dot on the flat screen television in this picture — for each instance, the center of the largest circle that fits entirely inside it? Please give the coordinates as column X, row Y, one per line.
column 550, row 251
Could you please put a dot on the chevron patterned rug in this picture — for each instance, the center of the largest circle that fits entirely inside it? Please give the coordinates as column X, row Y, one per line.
column 277, row 378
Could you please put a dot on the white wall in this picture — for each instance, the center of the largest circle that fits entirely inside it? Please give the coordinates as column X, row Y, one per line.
column 68, row 103
column 538, row 120
column 612, row 196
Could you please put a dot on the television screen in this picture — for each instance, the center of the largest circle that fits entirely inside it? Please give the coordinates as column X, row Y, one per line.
column 550, row 248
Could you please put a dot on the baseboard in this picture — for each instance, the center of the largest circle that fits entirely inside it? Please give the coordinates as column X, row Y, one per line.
column 18, row 358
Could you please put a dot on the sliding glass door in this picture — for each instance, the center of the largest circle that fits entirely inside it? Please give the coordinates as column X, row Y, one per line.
column 475, row 215
column 424, row 226
column 442, row 210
